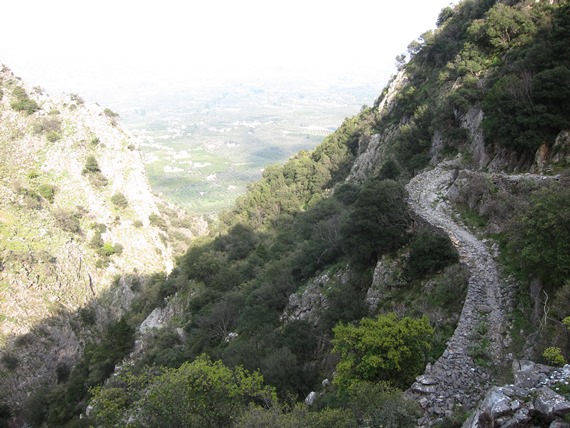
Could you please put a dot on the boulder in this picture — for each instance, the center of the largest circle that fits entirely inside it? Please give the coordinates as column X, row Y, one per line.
column 310, row 398
column 496, row 403
column 550, row 403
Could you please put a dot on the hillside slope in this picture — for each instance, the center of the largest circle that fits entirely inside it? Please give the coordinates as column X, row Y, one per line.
column 343, row 275
column 338, row 286
column 76, row 215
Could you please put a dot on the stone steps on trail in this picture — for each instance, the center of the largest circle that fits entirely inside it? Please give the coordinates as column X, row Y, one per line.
column 455, row 379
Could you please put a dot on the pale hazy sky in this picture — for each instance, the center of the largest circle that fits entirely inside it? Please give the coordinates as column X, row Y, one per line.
column 69, row 44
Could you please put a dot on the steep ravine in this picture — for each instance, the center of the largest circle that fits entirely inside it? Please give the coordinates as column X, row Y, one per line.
column 460, row 377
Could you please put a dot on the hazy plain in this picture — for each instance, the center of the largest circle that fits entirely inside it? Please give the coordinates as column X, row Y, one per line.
column 203, row 145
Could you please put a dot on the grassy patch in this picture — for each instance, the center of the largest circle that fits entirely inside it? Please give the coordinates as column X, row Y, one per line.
column 472, row 218
column 479, row 350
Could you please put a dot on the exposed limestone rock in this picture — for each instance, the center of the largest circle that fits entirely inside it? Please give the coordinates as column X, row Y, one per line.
column 437, row 146
column 231, row 336
column 311, row 304
column 484, row 155
column 549, row 402
column 308, row 305
column 508, row 160
column 528, row 374
column 472, row 122
column 386, row 102
column 372, row 154
column 384, row 277
column 556, row 156
column 532, row 396
column 155, row 320
column 496, row 403
column 541, row 158
column 495, row 196
column 372, row 149
column 310, row 399
column 560, row 153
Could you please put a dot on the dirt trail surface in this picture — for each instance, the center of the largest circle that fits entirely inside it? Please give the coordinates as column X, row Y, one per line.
column 455, row 379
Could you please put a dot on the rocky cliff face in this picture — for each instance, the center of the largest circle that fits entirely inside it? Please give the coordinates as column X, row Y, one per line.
column 78, row 225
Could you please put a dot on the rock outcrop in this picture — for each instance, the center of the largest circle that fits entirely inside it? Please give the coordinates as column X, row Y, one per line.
column 310, row 304
column 538, row 396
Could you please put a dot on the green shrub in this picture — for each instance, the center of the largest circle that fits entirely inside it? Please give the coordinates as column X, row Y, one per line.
column 539, row 237
column 119, row 200
column 68, row 220
column 45, row 125
column 381, row 349
column 299, row 416
column 92, row 170
column 88, row 315
column 379, row 405
column 158, row 221
column 378, row 222
column 98, row 180
column 10, row 361
column 110, row 113
column 554, row 356
column 22, row 102
column 199, row 393
column 47, row 191
column 96, row 241
column 107, row 249
column 91, row 165
column 53, row 136
column 390, row 170
column 77, row 99
column 429, row 253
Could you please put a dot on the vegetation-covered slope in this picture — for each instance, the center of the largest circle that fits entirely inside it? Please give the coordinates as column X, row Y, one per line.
column 321, row 279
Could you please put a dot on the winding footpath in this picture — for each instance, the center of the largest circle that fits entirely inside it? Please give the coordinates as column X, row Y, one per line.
column 455, row 379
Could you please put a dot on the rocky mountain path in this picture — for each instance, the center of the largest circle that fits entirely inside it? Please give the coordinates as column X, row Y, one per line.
column 460, row 375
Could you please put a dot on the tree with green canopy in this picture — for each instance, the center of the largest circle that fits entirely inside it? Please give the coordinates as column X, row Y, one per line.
column 383, row 349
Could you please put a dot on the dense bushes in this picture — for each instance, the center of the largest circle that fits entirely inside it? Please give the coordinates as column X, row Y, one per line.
column 384, row 349
column 527, row 104
column 119, row 200
column 371, row 405
column 22, row 102
column 377, row 224
column 539, row 244
column 209, row 394
column 201, row 393
column 429, row 253
column 284, row 191
column 510, row 58
column 91, row 165
column 47, row 191
column 536, row 248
